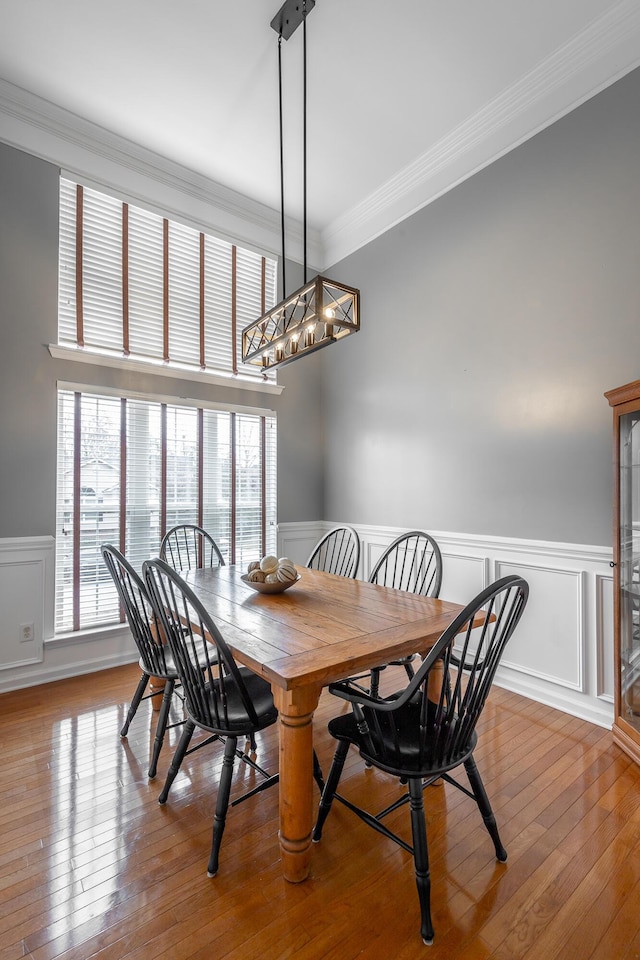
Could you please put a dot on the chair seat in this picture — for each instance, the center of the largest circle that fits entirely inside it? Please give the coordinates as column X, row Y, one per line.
column 238, row 721
column 170, row 672
column 395, row 743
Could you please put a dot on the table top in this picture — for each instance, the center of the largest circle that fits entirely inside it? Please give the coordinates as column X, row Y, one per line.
column 321, row 629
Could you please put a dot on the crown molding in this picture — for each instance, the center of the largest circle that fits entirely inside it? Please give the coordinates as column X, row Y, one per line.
column 108, row 161
column 607, row 49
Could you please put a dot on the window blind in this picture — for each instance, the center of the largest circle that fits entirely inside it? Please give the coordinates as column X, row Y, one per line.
column 136, row 284
column 129, row 469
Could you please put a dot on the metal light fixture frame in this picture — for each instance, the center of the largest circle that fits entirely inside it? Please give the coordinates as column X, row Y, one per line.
column 322, row 310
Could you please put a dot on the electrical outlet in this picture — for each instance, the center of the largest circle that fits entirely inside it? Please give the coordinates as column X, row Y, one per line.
column 26, row 632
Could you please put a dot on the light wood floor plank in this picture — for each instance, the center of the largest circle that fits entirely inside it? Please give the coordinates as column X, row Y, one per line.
column 92, row 868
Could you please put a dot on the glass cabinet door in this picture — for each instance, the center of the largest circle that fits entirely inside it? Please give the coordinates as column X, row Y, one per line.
column 629, row 568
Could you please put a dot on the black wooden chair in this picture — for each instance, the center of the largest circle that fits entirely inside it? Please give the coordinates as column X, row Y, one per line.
column 413, row 562
column 155, row 657
column 223, row 699
column 420, row 740
column 188, row 547
column 337, row 552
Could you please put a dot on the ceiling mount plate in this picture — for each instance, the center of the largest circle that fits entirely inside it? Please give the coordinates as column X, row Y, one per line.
column 289, row 17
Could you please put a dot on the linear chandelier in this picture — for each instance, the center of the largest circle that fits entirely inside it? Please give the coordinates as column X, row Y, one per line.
column 322, row 310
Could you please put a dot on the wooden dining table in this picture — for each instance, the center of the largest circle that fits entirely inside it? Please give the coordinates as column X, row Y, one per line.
column 322, row 629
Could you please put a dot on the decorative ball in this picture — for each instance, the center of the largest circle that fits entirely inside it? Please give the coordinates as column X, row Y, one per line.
column 285, row 561
column 254, row 565
column 256, row 575
column 286, row 572
column 271, row 578
column 269, row 564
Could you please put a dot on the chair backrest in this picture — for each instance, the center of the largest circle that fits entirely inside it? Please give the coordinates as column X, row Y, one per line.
column 188, row 547
column 139, row 611
column 337, row 552
column 412, row 562
column 409, row 730
column 213, row 687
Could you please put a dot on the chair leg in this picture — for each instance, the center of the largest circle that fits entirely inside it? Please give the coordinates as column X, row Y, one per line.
column 161, row 726
column 317, row 772
column 375, row 682
column 222, row 804
column 330, row 787
column 178, row 757
column 135, row 703
column 421, row 858
column 484, row 806
column 409, row 669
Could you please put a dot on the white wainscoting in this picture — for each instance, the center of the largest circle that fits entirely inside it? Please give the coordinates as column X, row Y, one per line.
column 561, row 655
column 27, row 596
column 26, row 599
column 562, row 652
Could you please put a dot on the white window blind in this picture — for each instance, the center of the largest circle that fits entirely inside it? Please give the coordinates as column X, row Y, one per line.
column 145, row 283
column 136, row 284
column 129, row 469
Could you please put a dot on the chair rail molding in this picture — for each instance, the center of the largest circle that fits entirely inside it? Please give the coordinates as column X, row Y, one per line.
column 562, row 654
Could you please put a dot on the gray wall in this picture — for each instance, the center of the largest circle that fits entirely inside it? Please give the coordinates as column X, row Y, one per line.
column 28, row 374
column 471, row 401
column 300, row 431
column 28, row 321
column 492, row 322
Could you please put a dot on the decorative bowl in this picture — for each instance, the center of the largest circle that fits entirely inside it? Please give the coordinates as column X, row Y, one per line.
column 278, row 587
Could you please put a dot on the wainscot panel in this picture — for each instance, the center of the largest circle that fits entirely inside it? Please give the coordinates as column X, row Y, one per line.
column 26, row 567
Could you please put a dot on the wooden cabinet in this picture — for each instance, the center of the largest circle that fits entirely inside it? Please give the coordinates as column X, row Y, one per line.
column 625, row 402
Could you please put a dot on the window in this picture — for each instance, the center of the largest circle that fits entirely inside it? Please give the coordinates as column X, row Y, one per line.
column 137, row 286
column 129, row 469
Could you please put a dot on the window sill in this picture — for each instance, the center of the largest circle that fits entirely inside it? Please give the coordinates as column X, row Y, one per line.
column 94, row 357
column 88, row 635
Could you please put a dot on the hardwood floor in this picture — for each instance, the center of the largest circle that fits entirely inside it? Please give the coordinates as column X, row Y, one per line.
column 92, row 867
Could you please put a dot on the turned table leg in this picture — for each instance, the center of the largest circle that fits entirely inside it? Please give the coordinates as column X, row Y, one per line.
column 296, row 708
column 156, row 689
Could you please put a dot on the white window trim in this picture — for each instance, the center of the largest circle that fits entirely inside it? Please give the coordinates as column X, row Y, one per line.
column 177, row 372
column 102, row 391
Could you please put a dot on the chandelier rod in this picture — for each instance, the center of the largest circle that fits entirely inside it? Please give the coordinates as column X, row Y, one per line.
column 284, row 285
column 304, row 135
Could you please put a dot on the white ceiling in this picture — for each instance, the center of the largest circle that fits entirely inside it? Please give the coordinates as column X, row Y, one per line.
column 405, row 97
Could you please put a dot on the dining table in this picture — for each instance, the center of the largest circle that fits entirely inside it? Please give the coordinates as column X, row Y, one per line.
column 322, row 629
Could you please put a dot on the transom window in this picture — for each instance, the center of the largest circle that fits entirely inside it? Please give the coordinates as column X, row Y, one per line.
column 134, row 284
